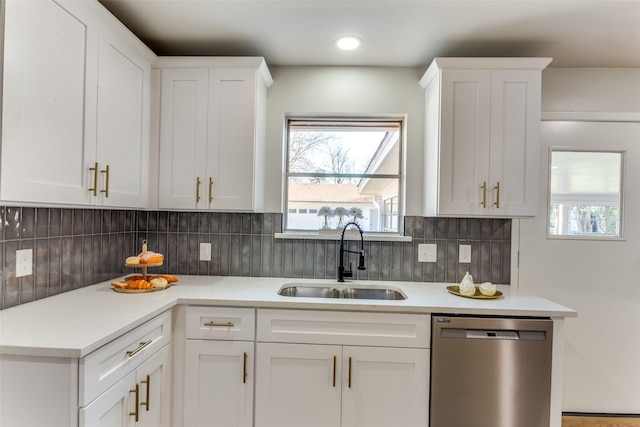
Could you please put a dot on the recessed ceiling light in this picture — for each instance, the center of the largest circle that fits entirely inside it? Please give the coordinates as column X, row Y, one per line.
column 348, row 42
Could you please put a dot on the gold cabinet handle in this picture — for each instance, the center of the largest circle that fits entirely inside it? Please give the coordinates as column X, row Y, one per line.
column 210, row 189
column 334, row 370
column 219, row 324
column 148, row 383
column 497, row 188
column 349, row 372
column 142, row 345
column 484, row 194
column 198, row 182
column 106, row 181
column 94, row 189
column 244, row 368
column 135, row 413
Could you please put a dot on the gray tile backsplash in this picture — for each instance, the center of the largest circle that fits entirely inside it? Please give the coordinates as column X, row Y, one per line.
column 73, row 248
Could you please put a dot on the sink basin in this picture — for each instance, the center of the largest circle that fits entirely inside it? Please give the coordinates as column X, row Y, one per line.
column 373, row 293
column 311, row 290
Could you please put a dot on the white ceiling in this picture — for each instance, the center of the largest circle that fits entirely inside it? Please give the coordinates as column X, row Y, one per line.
column 576, row 33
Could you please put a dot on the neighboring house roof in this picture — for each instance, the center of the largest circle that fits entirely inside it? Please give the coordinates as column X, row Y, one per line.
column 332, row 193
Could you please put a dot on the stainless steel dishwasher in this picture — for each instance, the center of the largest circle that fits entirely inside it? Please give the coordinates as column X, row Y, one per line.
column 490, row 372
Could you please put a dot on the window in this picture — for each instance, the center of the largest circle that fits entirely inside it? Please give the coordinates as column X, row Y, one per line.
column 352, row 167
column 585, row 197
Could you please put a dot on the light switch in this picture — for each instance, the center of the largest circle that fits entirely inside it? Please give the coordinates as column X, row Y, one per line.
column 464, row 254
column 428, row 252
column 205, row 251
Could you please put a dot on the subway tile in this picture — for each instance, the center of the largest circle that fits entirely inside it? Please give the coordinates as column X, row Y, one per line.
column 225, row 223
column 214, row 222
column 256, row 258
column 2, row 276
column 204, row 222
column 452, row 228
column 162, row 221
column 235, row 223
column 95, row 242
column 298, row 258
column 267, row 223
column 41, row 267
column 372, row 260
column 235, row 255
column 13, row 227
column 245, row 255
column 11, row 283
column 277, row 267
column 245, row 223
column 309, row 259
column 409, row 225
column 3, row 214
column 225, row 244
column 42, row 222
column 28, row 223
column 429, row 228
column 257, row 223
column 66, row 222
column 441, row 227
column 266, row 256
column 418, row 227
column 173, row 222
column 66, row 263
column 287, row 258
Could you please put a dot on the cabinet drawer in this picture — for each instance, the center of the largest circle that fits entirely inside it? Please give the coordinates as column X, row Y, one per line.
column 327, row 327
column 104, row 367
column 221, row 323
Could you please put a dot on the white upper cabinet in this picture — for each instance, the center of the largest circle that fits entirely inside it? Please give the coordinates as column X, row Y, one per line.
column 76, row 94
column 212, row 133
column 482, row 136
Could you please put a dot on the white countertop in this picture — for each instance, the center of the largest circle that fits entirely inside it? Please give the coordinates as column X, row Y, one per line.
column 73, row 324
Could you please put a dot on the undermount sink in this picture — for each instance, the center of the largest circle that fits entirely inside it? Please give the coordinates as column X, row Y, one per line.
column 307, row 291
column 311, row 290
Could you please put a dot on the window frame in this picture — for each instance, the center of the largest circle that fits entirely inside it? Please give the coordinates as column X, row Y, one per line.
column 344, row 120
column 588, row 236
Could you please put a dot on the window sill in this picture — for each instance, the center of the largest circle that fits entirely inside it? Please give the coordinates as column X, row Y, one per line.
column 349, row 235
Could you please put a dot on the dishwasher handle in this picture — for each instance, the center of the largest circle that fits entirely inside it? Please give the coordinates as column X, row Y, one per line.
column 492, row 334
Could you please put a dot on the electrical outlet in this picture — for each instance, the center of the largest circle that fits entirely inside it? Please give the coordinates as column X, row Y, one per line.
column 205, row 251
column 464, row 254
column 428, row 252
column 24, row 261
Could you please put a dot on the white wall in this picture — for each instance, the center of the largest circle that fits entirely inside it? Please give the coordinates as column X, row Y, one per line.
column 601, row 280
column 351, row 90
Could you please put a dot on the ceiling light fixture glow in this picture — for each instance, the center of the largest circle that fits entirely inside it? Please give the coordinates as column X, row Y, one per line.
column 348, row 42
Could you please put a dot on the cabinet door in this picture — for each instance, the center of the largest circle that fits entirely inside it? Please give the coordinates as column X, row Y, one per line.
column 183, row 139
column 298, row 385
column 114, row 408
column 464, row 141
column 47, row 64
column 385, row 387
column 122, row 123
column 153, row 379
column 231, row 155
column 515, row 141
column 218, row 383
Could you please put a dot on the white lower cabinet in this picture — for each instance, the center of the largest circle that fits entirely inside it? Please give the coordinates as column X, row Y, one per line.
column 308, row 381
column 219, row 380
column 218, row 373
column 142, row 398
column 295, row 385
